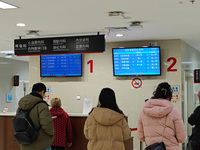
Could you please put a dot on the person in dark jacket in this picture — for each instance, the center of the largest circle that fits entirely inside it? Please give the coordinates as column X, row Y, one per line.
column 62, row 126
column 194, row 119
column 41, row 117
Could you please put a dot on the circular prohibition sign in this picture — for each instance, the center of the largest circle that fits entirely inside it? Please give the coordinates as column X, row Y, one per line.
column 136, row 83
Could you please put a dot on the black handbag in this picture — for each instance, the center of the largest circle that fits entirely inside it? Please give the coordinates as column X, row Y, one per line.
column 158, row 146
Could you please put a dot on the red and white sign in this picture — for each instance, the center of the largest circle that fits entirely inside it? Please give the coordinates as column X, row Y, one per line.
column 175, row 97
column 136, row 83
column 48, row 95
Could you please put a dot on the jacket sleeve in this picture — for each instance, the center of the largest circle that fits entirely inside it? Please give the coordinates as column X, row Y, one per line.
column 180, row 132
column 140, row 130
column 86, row 129
column 194, row 117
column 69, row 130
column 126, row 130
column 45, row 119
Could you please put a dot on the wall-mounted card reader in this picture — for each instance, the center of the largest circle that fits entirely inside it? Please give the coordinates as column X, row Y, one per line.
column 9, row 98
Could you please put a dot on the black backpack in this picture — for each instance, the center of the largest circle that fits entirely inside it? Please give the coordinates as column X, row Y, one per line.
column 25, row 131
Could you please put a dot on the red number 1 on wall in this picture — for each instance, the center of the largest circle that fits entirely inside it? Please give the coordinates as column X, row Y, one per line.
column 91, row 65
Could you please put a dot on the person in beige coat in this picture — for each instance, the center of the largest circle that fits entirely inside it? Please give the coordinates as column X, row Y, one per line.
column 106, row 127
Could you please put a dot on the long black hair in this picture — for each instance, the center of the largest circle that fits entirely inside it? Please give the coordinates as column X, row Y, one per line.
column 107, row 100
column 163, row 91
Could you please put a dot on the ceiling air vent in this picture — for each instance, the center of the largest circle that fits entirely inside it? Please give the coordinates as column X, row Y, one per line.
column 118, row 28
column 135, row 25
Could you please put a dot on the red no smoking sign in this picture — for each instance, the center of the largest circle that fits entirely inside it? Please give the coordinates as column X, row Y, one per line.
column 136, row 83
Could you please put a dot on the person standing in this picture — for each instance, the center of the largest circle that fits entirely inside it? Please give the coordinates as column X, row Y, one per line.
column 106, row 127
column 152, row 118
column 194, row 119
column 62, row 126
column 40, row 116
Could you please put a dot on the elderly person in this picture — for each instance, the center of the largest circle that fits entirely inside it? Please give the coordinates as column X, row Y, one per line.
column 62, row 125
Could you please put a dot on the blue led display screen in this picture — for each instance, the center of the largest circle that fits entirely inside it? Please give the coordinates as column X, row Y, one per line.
column 136, row 61
column 61, row 65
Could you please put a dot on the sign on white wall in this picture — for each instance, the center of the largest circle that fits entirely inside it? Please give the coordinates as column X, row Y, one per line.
column 175, row 88
column 175, row 97
column 87, row 105
column 136, row 83
column 176, row 93
column 48, row 94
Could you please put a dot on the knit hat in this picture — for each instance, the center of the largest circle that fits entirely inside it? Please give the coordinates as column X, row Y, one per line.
column 198, row 94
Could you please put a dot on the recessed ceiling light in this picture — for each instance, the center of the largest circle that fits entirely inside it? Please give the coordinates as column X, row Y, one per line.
column 4, row 5
column 9, row 56
column 21, row 25
column 119, row 35
column 32, row 33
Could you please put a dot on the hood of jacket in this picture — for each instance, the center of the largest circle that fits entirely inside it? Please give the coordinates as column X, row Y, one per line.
column 157, row 107
column 57, row 111
column 105, row 116
column 28, row 101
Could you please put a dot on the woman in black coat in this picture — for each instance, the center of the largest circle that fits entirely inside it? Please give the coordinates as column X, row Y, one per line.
column 194, row 119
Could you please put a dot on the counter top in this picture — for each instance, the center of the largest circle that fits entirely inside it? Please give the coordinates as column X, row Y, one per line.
column 70, row 114
column 77, row 115
column 8, row 114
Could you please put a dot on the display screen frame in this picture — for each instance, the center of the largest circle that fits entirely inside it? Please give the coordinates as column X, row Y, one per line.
column 139, row 74
column 61, row 75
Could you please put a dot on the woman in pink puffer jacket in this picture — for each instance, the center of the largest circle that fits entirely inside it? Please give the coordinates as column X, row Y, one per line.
column 152, row 119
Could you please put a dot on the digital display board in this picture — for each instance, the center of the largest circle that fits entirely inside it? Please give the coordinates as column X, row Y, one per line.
column 61, row 65
column 137, row 61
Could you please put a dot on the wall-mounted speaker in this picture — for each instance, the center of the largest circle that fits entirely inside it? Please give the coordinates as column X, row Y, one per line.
column 16, row 80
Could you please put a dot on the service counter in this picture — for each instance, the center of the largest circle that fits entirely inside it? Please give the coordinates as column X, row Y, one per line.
column 7, row 141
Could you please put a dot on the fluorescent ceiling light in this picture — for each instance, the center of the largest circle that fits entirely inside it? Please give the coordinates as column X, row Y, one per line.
column 21, row 25
column 4, row 63
column 7, row 52
column 4, row 5
column 119, row 35
column 186, row 62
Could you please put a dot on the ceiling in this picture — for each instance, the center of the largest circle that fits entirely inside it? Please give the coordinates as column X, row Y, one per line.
column 161, row 19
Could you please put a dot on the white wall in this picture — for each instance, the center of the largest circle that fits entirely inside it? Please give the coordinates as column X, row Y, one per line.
column 9, row 68
column 130, row 100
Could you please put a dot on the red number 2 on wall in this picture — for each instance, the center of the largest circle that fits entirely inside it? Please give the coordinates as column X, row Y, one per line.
column 169, row 69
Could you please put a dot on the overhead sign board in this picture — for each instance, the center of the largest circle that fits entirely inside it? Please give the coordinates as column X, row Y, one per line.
column 60, row 45
column 197, row 76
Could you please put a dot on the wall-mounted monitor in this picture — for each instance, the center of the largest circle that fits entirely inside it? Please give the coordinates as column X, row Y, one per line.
column 61, row 65
column 136, row 61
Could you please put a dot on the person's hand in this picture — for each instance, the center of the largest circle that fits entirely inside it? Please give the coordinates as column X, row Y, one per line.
column 69, row 144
